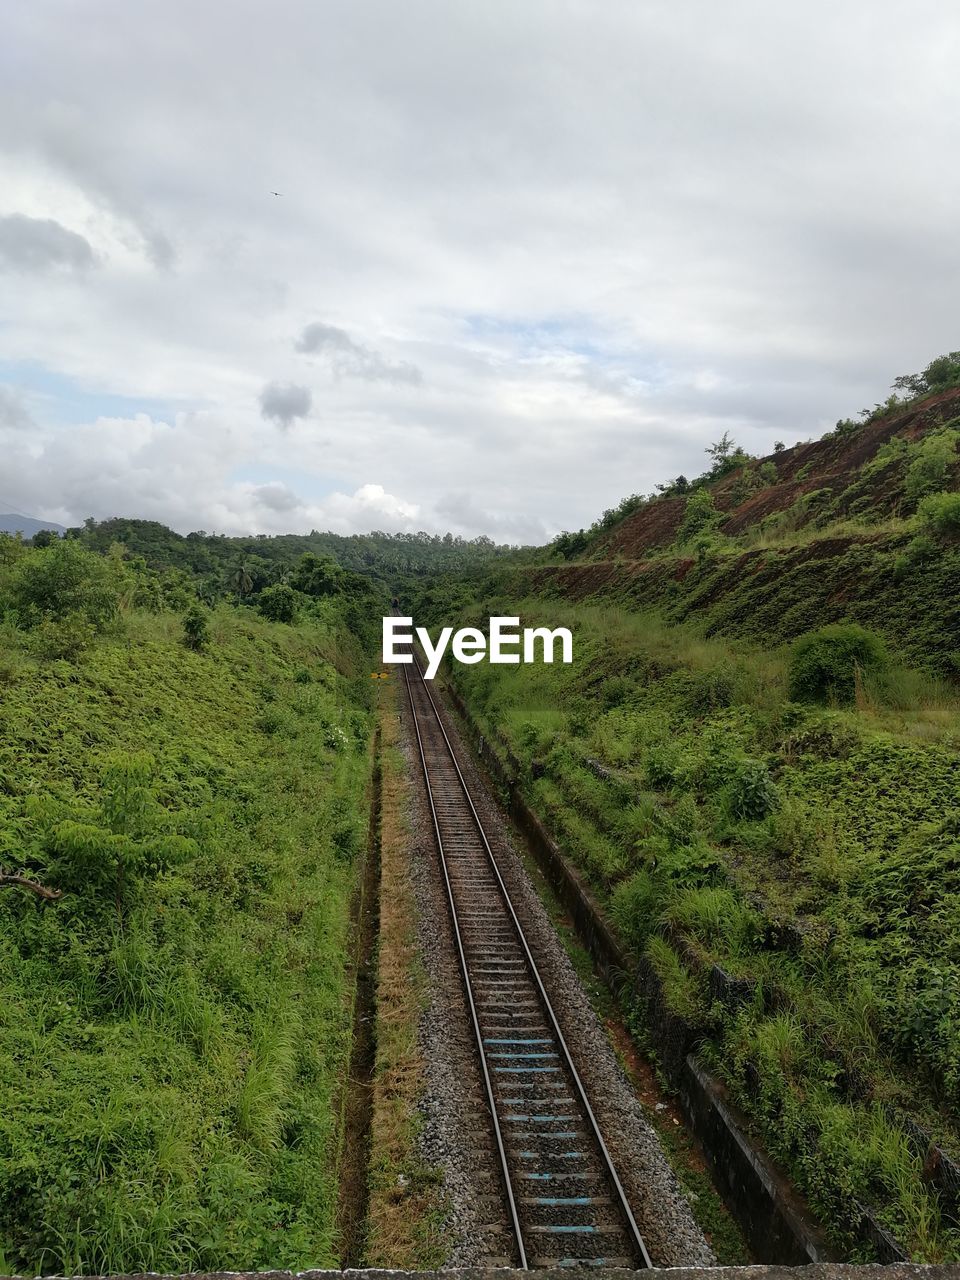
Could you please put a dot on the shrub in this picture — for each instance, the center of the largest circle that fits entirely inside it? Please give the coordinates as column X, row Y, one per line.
column 567, row 545
column 826, row 663
column 196, row 628
column 278, row 603
column 751, row 793
column 713, row 689
column 699, row 516
column 939, row 513
column 61, row 582
column 636, row 905
column 105, row 854
column 65, row 637
column 921, row 548
column 661, row 767
column 616, row 690
column 929, row 470
column 277, row 720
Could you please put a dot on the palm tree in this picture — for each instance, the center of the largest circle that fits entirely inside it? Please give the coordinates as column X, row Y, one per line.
column 240, row 580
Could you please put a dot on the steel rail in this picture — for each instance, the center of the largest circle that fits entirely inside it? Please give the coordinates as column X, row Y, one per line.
column 607, row 1160
column 468, row 985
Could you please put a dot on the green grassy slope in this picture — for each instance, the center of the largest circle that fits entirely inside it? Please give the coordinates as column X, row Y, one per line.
column 863, row 525
column 174, row 1029
column 787, row 868
column 808, row 852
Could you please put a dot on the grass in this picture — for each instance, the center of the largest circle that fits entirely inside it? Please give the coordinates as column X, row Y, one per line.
column 685, row 1159
column 808, row 851
column 168, row 1071
column 406, row 1211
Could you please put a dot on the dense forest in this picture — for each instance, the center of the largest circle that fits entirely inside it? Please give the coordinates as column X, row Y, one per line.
column 218, row 565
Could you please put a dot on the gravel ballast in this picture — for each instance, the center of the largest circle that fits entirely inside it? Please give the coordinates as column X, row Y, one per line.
column 456, row 1134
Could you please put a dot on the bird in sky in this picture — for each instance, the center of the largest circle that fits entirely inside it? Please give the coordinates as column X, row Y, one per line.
column 276, row 193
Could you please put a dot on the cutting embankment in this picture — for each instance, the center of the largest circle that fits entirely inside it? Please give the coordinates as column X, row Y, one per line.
column 754, row 760
column 188, row 813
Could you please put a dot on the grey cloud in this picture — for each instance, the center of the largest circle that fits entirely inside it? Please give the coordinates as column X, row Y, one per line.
column 13, row 412
column 38, row 244
column 283, row 402
column 348, row 358
column 276, row 496
column 607, row 234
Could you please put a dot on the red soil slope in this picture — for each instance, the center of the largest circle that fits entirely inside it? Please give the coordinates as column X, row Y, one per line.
column 830, row 464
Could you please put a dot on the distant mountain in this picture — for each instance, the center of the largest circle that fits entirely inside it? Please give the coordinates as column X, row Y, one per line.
column 26, row 525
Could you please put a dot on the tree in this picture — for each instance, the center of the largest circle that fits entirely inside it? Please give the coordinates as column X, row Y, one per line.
column 939, row 375
column 278, row 603
column 240, row 580
column 317, row 576
column 726, row 456
column 778, row 446
column 65, row 581
column 943, row 372
column 567, row 545
column 721, row 450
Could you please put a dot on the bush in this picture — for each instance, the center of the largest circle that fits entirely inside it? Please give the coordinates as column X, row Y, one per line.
column 930, row 469
column 278, row 603
column 826, row 663
column 699, row 516
column 939, row 513
column 567, row 545
column 102, row 856
column 636, row 904
column 277, row 720
column 196, row 628
column 65, row 637
column 64, row 582
column 750, row 793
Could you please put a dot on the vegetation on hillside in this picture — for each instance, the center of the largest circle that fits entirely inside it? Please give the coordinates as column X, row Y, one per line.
column 900, row 469
column 777, row 832
column 182, row 806
column 754, row 759
column 243, row 567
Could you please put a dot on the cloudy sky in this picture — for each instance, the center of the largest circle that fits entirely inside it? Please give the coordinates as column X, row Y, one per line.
column 527, row 257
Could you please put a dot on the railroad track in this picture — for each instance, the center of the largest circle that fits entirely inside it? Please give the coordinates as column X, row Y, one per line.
column 563, row 1202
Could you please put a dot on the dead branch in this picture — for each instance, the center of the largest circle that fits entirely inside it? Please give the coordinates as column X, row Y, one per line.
column 41, row 890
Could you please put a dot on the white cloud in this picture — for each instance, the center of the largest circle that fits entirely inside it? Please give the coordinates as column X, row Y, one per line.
column 555, row 252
